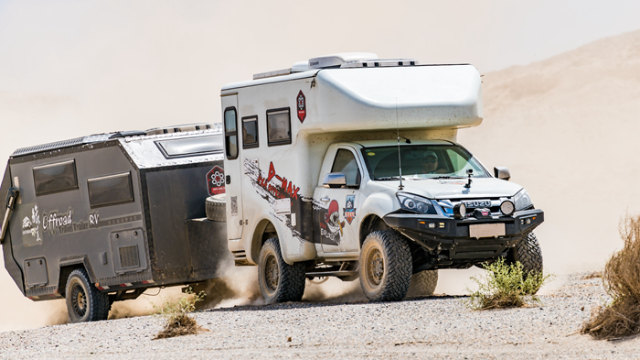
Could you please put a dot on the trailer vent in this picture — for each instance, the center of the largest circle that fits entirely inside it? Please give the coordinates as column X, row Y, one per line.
column 129, row 256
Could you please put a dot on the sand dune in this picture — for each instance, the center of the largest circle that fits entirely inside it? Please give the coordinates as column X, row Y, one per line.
column 567, row 128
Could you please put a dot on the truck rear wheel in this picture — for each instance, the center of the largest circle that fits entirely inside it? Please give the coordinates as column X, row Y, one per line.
column 84, row 301
column 385, row 266
column 528, row 253
column 423, row 283
column 279, row 281
column 216, row 207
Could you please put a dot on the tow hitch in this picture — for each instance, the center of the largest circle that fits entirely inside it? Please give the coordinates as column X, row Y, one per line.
column 12, row 196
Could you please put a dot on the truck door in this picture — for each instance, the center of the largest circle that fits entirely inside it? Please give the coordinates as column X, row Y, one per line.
column 336, row 226
column 232, row 167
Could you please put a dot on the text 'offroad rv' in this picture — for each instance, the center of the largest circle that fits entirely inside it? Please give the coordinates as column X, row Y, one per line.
column 347, row 165
column 101, row 218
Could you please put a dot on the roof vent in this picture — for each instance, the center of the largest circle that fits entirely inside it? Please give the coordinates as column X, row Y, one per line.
column 335, row 60
column 378, row 63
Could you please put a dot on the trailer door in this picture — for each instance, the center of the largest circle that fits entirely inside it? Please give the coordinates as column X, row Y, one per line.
column 232, row 166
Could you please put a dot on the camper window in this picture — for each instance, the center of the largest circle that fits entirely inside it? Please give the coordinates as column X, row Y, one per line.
column 250, row 132
column 53, row 178
column 200, row 145
column 231, row 133
column 345, row 163
column 110, row 190
column 279, row 126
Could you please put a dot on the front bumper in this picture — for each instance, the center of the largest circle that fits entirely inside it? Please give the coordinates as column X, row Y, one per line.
column 449, row 241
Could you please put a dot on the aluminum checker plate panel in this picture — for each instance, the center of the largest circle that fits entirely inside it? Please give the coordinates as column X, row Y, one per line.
column 487, row 230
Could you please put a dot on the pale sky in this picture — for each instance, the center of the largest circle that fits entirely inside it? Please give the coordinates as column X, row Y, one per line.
column 99, row 66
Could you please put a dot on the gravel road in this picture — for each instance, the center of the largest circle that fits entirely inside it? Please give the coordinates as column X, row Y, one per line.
column 438, row 327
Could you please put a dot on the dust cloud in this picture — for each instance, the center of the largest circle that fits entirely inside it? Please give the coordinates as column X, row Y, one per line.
column 566, row 127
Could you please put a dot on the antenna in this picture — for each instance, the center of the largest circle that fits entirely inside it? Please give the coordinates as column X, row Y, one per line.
column 400, row 187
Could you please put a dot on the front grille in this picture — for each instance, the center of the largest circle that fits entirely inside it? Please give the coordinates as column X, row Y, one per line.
column 129, row 256
column 495, row 206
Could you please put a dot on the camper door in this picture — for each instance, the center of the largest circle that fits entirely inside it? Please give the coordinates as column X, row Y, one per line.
column 232, row 167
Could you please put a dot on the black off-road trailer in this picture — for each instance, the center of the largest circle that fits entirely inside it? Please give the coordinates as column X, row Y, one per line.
column 102, row 218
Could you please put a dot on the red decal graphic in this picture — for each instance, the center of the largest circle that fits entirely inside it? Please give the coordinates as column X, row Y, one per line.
column 286, row 190
column 302, row 106
column 215, row 181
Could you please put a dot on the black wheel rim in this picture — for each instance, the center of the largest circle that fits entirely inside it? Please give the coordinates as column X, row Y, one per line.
column 375, row 267
column 79, row 300
column 271, row 273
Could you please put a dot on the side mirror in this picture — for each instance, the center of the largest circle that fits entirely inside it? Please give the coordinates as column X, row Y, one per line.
column 335, row 180
column 502, row 173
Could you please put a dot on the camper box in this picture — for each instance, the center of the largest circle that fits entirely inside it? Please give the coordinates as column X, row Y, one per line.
column 122, row 212
column 303, row 197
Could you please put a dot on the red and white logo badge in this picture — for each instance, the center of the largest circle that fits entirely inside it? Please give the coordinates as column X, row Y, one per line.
column 302, row 106
column 215, row 180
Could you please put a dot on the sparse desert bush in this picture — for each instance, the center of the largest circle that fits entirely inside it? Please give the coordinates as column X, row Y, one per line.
column 505, row 285
column 621, row 317
column 175, row 315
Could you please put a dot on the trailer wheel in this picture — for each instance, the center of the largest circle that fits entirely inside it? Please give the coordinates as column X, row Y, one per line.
column 279, row 281
column 385, row 266
column 423, row 283
column 84, row 301
column 216, row 207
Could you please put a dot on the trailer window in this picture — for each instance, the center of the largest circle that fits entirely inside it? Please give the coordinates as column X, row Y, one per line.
column 346, row 163
column 201, row 145
column 279, row 126
column 110, row 190
column 54, row 178
column 249, row 132
column 231, row 133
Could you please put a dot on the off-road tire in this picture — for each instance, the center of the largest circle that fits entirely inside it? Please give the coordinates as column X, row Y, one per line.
column 84, row 301
column 423, row 283
column 216, row 207
column 528, row 253
column 385, row 266
column 279, row 281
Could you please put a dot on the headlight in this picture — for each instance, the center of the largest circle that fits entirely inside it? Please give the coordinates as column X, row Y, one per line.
column 507, row 207
column 522, row 200
column 414, row 203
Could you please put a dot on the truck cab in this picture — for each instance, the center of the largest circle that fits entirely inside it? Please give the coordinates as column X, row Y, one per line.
column 347, row 165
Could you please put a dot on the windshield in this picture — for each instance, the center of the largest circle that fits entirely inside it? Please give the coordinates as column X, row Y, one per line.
column 421, row 162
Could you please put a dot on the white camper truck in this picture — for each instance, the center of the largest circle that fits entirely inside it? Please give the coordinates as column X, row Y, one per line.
column 347, row 165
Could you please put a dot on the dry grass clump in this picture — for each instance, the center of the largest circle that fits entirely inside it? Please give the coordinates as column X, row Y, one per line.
column 176, row 315
column 593, row 275
column 621, row 279
column 505, row 285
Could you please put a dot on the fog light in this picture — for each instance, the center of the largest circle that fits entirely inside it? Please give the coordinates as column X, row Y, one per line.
column 528, row 221
column 460, row 211
column 507, row 207
column 432, row 225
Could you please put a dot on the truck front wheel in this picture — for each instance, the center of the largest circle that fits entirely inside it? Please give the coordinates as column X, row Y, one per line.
column 528, row 253
column 279, row 281
column 84, row 301
column 423, row 283
column 385, row 266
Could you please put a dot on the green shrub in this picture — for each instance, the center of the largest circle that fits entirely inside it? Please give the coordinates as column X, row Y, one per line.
column 505, row 285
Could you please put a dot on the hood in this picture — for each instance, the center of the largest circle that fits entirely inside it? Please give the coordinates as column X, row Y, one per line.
column 454, row 188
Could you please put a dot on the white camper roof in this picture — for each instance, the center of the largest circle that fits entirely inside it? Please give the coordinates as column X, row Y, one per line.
column 386, row 94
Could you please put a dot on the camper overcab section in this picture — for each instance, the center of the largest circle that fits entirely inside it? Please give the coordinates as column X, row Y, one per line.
column 101, row 218
column 347, row 165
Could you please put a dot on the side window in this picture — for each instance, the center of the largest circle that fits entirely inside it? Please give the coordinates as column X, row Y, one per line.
column 231, row 133
column 53, row 178
column 279, row 126
column 346, row 163
column 110, row 190
column 250, row 132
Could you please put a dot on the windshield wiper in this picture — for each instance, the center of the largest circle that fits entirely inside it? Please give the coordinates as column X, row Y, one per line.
column 390, row 178
column 446, row 177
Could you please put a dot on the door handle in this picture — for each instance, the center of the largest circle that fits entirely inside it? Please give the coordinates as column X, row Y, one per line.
column 325, row 199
